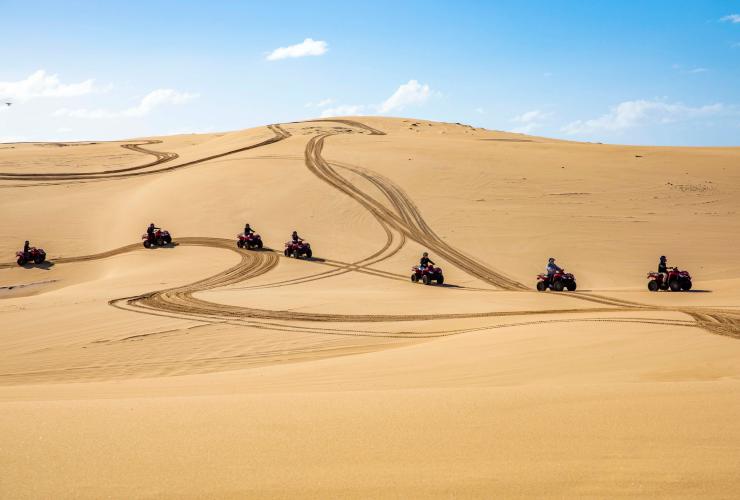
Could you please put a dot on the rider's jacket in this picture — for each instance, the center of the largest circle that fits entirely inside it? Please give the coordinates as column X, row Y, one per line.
column 552, row 268
column 425, row 261
column 662, row 267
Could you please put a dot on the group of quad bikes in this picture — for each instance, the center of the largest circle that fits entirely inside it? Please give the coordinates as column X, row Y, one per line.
column 674, row 279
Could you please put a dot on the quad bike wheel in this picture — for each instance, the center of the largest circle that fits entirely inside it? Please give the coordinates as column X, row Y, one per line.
column 240, row 244
column 441, row 280
column 686, row 285
column 541, row 286
column 21, row 261
column 258, row 246
column 558, row 286
column 309, row 253
column 425, row 279
column 571, row 287
column 287, row 252
column 675, row 286
column 167, row 240
column 160, row 242
column 414, row 278
column 39, row 259
column 653, row 285
column 147, row 244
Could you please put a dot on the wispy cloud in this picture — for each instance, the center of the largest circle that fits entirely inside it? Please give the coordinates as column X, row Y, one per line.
column 530, row 121
column 41, row 84
column 407, row 94
column 732, row 18
column 689, row 71
column 345, row 110
column 309, row 47
column 631, row 114
column 480, row 111
column 411, row 93
column 319, row 104
column 148, row 103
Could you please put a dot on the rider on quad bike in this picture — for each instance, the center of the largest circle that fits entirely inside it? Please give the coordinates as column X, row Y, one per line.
column 249, row 239
column 555, row 278
column 30, row 254
column 296, row 247
column 156, row 236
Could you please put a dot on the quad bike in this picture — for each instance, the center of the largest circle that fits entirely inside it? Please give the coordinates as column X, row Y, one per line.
column 677, row 280
column 298, row 249
column 159, row 238
column 251, row 241
column 558, row 282
column 427, row 275
column 35, row 255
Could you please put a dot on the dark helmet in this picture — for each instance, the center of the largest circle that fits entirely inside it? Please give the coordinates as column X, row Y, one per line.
column 662, row 257
column 246, row 225
column 151, row 224
column 552, row 259
column 426, row 254
column 295, row 233
column 26, row 242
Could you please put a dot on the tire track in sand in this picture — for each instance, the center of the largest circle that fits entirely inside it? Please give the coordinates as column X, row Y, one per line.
column 161, row 157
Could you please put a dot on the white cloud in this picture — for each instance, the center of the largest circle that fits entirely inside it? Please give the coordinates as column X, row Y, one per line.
column 480, row 111
column 698, row 70
column 630, row 114
column 42, row 84
column 148, row 103
column 320, row 104
column 732, row 18
column 530, row 121
column 309, row 47
column 346, row 110
column 411, row 93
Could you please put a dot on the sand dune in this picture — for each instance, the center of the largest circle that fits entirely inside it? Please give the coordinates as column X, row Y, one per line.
column 207, row 370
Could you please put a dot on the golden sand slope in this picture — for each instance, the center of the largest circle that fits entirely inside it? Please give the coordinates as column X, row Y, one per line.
column 203, row 369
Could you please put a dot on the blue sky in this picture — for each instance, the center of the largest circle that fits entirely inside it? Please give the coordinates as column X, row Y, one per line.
column 623, row 72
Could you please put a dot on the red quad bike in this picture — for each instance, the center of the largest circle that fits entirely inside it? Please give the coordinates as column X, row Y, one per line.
column 677, row 281
column 160, row 238
column 559, row 281
column 427, row 275
column 35, row 255
column 298, row 249
column 251, row 241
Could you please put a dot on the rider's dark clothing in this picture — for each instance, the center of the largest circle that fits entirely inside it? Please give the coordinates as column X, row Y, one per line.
column 553, row 268
column 26, row 248
column 296, row 238
column 248, row 230
column 425, row 261
column 150, row 230
column 662, row 267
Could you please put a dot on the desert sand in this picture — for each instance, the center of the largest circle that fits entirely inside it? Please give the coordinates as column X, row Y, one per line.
column 207, row 371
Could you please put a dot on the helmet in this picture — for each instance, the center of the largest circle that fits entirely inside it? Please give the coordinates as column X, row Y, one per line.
column 426, row 254
column 552, row 259
column 662, row 257
column 26, row 242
